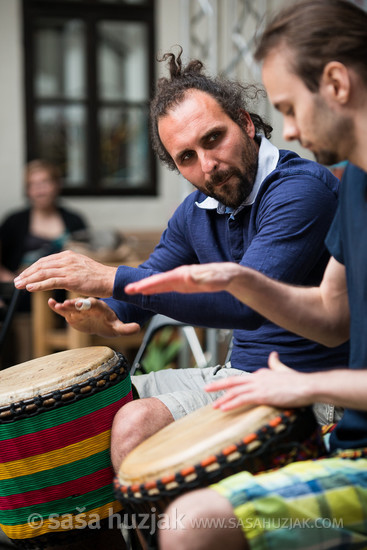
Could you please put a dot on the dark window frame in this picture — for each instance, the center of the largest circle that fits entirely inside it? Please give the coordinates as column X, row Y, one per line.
column 96, row 12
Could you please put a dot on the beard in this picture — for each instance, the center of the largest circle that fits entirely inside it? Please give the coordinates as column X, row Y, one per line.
column 338, row 132
column 234, row 193
column 327, row 158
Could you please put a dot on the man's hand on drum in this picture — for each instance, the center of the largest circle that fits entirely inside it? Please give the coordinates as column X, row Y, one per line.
column 278, row 386
column 189, row 279
column 97, row 319
column 70, row 271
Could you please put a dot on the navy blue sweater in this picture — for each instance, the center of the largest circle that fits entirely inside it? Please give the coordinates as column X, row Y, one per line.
column 281, row 234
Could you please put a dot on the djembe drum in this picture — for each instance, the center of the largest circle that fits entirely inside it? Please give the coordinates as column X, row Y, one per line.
column 205, row 447
column 56, row 477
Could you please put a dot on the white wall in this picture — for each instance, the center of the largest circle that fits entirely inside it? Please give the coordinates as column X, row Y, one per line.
column 11, row 106
column 123, row 213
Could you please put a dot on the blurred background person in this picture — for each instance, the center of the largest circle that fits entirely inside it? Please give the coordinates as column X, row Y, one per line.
column 43, row 227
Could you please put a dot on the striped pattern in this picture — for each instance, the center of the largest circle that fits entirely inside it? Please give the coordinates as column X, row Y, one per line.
column 319, row 504
column 58, row 462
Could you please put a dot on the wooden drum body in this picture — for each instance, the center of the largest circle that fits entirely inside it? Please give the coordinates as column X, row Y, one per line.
column 207, row 446
column 56, row 415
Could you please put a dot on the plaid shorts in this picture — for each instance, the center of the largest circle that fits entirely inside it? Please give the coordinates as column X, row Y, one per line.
column 320, row 504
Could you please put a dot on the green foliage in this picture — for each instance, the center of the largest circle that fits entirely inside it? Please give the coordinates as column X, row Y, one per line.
column 162, row 351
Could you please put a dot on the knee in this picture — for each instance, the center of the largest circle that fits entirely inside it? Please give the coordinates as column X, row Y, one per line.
column 135, row 422
column 128, row 417
column 129, row 422
column 201, row 519
column 177, row 530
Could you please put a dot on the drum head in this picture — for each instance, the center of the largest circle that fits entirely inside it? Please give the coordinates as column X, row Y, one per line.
column 191, row 440
column 53, row 372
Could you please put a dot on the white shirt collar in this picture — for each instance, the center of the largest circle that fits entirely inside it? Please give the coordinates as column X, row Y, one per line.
column 268, row 159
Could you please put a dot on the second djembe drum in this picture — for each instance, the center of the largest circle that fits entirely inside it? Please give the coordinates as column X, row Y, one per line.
column 205, row 447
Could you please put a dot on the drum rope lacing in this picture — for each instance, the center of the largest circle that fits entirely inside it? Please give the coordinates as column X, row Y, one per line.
column 53, row 400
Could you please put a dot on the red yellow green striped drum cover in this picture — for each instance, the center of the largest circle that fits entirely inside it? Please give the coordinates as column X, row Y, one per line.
column 56, row 414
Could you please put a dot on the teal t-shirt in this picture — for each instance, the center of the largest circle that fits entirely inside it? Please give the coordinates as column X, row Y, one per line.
column 347, row 242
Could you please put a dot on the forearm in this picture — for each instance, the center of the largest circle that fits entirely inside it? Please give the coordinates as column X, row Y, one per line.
column 305, row 311
column 280, row 386
column 342, row 388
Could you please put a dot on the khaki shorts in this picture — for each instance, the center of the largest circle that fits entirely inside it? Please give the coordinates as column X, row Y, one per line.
column 182, row 390
column 327, row 414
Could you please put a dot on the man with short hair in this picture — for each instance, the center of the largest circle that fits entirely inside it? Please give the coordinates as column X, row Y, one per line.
column 315, row 71
column 254, row 205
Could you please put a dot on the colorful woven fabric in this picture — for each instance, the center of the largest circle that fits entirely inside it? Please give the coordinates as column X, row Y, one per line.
column 57, row 462
column 328, row 428
column 319, row 504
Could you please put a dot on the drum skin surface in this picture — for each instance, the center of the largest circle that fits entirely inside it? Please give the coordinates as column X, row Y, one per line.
column 209, row 444
column 190, row 440
column 51, row 372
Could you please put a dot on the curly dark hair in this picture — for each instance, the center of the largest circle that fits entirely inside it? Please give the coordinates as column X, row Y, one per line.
column 230, row 94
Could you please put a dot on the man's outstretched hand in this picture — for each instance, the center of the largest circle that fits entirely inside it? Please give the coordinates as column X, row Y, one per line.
column 188, row 279
column 277, row 386
column 70, row 271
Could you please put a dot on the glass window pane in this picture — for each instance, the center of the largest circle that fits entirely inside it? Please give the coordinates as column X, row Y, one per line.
column 124, row 147
column 61, row 138
column 122, row 61
column 59, row 58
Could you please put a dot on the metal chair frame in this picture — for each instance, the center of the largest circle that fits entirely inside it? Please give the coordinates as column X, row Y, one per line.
column 160, row 321
column 11, row 309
